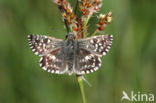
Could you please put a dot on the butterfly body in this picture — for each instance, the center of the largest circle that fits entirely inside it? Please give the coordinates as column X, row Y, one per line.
column 80, row 56
column 69, row 52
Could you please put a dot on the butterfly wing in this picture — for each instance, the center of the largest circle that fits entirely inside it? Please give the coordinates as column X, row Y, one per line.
column 42, row 45
column 98, row 45
column 86, row 62
column 89, row 51
column 50, row 49
column 54, row 62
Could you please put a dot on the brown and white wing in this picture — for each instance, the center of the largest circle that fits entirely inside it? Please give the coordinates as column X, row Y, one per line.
column 86, row 62
column 99, row 45
column 87, row 58
column 50, row 49
column 42, row 45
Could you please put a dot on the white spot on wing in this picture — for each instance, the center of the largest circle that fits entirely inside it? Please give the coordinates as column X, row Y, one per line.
column 53, row 46
column 108, row 47
column 93, row 65
column 41, row 59
column 44, row 68
column 91, row 41
column 96, row 68
column 83, row 60
column 53, row 57
column 100, row 50
column 98, row 40
column 104, row 53
column 33, row 50
column 48, row 41
column 52, row 71
column 57, row 72
column 40, row 50
column 96, row 45
column 99, row 64
column 40, row 44
column 55, row 66
column 100, row 44
column 44, row 45
column 95, row 49
column 40, row 64
column 36, row 53
column 99, row 59
column 45, row 36
column 87, row 57
column 48, row 70
column 101, row 47
column 107, row 50
column 87, row 46
column 82, row 72
column 87, row 71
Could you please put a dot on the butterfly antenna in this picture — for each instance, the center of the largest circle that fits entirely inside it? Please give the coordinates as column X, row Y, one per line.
column 85, row 80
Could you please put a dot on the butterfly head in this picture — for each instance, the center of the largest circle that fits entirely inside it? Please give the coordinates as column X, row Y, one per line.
column 70, row 36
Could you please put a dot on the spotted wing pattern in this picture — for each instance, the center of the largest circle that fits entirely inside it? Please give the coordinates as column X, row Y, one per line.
column 42, row 45
column 90, row 50
column 54, row 62
column 98, row 45
column 50, row 49
column 86, row 62
column 86, row 58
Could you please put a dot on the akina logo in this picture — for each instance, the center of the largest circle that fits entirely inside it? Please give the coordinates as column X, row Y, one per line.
column 138, row 96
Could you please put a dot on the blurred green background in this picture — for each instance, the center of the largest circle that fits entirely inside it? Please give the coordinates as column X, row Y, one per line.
column 130, row 64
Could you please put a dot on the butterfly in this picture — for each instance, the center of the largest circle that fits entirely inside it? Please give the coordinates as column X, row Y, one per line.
column 79, row 56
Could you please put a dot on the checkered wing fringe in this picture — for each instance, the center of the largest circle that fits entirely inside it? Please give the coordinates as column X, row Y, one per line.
column 90, row 50
column 42, row 45
column 98, row 45
column 86, row 62
column 50, row 49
